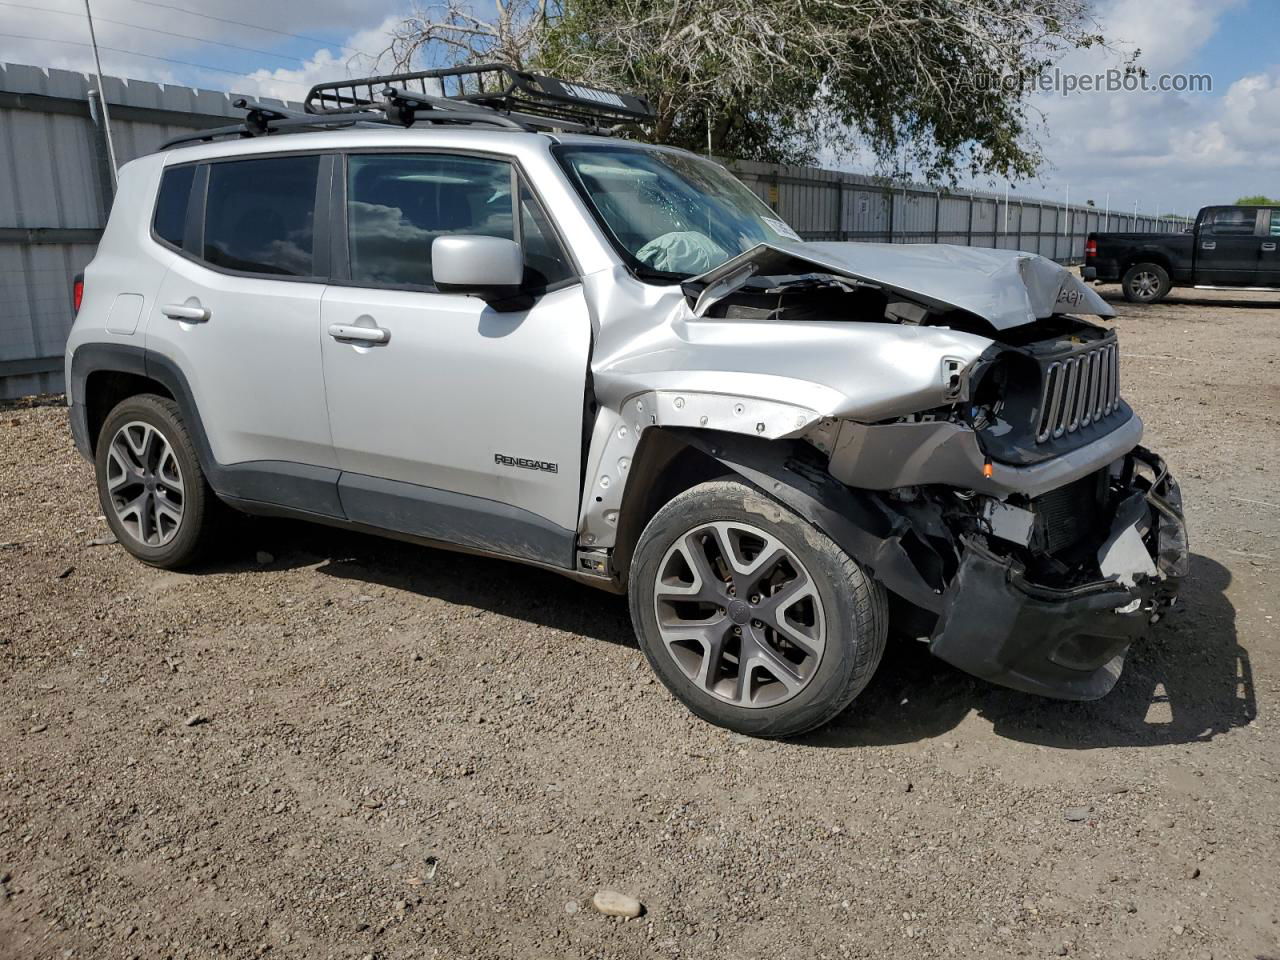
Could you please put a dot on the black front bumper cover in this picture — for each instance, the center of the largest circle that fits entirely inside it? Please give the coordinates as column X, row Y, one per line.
column 1066, row 643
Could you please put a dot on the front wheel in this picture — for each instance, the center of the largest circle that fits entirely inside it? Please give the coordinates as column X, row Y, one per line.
column 1145, row 283
column 752, row 616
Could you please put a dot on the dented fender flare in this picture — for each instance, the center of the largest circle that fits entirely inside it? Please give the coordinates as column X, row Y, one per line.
column 853, row 519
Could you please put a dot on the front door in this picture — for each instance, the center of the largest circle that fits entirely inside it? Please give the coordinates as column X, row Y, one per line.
column 1228, row 249
column 453, row 420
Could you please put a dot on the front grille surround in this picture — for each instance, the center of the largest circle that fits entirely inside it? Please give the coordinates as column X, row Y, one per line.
column 1078, row 390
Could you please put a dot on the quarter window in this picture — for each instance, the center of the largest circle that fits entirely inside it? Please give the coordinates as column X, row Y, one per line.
column 259, row 215
column 171, row 204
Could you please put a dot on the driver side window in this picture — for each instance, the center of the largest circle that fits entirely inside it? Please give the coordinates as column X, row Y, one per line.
column 397, row 204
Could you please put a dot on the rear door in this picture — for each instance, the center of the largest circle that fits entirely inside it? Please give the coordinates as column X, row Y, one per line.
column 1228, row 248
column 238, row 314
column 465, row 424
column 1268, row 255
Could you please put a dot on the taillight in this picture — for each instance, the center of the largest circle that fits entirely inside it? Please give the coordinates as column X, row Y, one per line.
column 77, row 291
column 1091, row 247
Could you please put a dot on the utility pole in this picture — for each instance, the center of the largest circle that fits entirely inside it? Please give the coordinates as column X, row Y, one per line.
column 102, row 96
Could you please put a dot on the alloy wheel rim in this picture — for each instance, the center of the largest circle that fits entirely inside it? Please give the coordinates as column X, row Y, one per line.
column 739, row 614
column 144, row 484
column 1144, row 285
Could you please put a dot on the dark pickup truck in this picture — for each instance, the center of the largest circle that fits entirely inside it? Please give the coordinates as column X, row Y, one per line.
column 1228, row 248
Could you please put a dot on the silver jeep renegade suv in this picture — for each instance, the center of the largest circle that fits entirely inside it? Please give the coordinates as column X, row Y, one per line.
column 614, row 361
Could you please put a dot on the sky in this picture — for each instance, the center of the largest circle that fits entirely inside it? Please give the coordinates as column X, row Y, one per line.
column 1168, row 152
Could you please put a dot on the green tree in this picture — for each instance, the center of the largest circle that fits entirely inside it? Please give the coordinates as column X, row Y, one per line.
column 1257, row 200
column 934, row 87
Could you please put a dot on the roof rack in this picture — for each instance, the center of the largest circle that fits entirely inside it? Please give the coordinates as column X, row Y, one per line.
column 492, row 86
column 491, row 94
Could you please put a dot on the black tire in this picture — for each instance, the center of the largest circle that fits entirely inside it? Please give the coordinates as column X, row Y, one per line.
column 854, row 610
column 190, row 537
column 1145, row 283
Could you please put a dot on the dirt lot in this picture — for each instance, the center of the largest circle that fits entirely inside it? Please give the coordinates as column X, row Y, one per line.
column 405, row 752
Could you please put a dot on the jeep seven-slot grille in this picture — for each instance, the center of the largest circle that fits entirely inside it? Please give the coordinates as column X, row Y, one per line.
column 1079, row 390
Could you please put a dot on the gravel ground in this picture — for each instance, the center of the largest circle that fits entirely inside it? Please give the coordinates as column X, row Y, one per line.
column 328, row 745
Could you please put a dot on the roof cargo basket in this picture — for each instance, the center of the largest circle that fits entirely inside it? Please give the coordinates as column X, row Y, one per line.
column 491, row 94
column 530, row 97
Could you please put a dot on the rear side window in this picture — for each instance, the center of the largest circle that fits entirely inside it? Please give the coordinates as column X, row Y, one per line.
column 171, row 204
column 260, row 215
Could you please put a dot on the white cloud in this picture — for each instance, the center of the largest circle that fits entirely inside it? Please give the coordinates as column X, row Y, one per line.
column 323, row 65
column 54, row 33
column 1177, row 150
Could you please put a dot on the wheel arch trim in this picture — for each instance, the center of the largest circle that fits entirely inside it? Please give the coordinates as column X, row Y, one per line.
column 302, row 486
column 851, row 518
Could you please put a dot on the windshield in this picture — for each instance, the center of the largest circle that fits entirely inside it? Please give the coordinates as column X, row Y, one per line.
column 672, row 214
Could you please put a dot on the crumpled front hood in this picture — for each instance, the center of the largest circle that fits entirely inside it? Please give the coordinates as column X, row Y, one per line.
column 1007, row 288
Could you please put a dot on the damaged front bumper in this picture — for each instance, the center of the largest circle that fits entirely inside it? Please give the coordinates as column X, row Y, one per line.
column 1069, row 642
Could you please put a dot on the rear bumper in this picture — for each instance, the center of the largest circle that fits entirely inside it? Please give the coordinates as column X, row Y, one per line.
column 1102, row 270
column 1066, row 643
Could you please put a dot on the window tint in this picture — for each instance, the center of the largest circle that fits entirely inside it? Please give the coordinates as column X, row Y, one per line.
column 1232, row 221
column 259, row 215
column 1274, row 229
column 398, row 204
column 171, row 203
column 544, row 260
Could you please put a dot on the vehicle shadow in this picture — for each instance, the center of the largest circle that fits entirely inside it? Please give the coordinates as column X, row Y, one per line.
column 484, row 583
column 1189, row 681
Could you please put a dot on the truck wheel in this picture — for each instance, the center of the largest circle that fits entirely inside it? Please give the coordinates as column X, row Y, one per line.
column 750, row 615
column 1145, row 283
column 153, row 492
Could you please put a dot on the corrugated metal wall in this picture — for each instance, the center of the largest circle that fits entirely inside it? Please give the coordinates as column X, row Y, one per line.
column 826, row 205
column 55, row 192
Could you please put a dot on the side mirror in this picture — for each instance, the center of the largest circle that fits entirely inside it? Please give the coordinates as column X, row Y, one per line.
column 491, row 268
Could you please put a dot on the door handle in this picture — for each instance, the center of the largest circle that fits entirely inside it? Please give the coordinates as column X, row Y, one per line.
column 1269, row 246
column 1209, row 245
column 188, row 312
column 347, row 331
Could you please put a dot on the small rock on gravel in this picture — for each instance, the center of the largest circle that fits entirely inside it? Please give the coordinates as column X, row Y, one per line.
column 614, row 904
column 39, row 728
column 1075, row 814
column 106, row 541
column 196, row 719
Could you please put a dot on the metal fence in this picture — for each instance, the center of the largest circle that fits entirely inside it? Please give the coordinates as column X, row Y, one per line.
column 829, row 205
column 55, row 192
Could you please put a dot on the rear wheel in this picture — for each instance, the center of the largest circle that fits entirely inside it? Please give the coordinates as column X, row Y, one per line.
column 153, row 492
column 1145, row 283
column 750, row 615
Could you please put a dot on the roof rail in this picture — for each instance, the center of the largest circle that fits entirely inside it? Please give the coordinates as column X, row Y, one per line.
column 488, row 94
